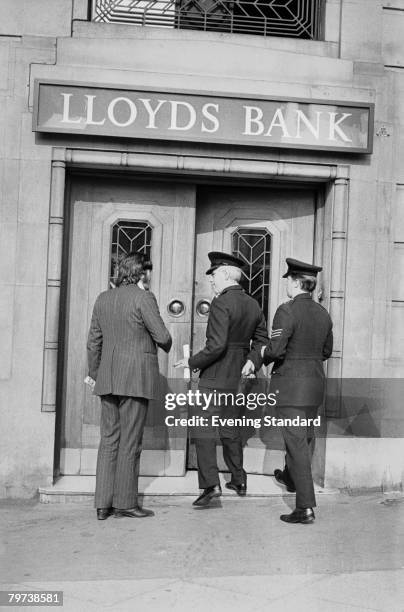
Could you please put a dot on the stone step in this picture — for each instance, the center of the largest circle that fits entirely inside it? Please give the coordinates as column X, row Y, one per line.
column 80, row 489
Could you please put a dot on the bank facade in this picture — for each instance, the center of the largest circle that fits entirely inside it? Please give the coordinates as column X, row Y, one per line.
column 191, row 133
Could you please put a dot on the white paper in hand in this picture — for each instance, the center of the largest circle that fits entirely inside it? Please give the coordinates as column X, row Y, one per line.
column 187, row 371
column 89, row 381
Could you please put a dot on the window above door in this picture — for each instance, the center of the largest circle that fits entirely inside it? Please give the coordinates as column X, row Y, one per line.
column 287, row 18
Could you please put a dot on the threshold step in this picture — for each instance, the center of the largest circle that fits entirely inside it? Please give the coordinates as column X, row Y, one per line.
column 80, row 489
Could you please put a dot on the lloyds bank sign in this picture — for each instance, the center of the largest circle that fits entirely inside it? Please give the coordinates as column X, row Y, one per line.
column 94, row 110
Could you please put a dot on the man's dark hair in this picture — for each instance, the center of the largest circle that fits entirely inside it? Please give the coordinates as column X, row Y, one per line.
column 130, row 269
column 307, row 283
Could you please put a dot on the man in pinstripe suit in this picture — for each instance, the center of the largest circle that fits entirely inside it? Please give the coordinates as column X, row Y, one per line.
column 126, row 328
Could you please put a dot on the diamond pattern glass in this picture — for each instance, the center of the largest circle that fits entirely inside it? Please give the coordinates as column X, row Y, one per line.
column 253, row 246
column 129, row 237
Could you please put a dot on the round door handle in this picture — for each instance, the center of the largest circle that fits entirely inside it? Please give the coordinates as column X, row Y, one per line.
column 203, row 308
column 176, row 308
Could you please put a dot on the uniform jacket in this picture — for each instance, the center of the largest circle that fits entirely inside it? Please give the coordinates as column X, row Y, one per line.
column 301, row 339
column 126, row 328
column 234, row 320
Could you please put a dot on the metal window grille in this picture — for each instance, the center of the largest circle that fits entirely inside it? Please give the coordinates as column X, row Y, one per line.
column 293, row 18
column 128, row 237
column 254, row 247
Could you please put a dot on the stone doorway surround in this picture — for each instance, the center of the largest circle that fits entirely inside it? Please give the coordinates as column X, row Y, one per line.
column 331, row 224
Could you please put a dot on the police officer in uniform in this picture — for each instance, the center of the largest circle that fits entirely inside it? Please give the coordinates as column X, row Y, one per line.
column 236, row 331
column 301, row 339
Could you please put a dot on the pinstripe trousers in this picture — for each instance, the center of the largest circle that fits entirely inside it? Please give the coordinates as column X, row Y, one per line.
column 122, row 425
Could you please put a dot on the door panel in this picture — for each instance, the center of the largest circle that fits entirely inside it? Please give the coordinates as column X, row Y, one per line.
column 97, row 207
column 288, row 217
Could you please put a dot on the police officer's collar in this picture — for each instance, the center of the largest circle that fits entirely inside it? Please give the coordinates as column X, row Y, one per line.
column 236, row 287
column 302, row 296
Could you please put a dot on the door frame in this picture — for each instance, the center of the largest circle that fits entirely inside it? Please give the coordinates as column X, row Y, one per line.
column 331, row 250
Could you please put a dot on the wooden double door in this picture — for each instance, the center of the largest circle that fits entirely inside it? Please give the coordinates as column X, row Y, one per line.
column 176, row 225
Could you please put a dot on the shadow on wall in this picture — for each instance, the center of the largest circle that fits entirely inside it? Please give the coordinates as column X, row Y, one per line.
column 363, row 407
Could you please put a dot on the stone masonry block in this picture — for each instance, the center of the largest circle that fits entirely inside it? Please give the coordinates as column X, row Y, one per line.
column 32, row 250
column 29, row 309
column 393, row 43
column 178, row 56
column 6, row 330
column 361, row 34
column 9, row 187
column 33, row 205
column 39, row 18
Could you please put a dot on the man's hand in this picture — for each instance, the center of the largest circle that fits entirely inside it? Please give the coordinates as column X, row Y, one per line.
column 263, row 350
column 248, row 368
column 182, row 363
column 89, row 381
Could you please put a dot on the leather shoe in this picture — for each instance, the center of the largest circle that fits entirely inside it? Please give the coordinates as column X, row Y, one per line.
column 280, row 477
column 135, row 512
column 103, row 513
column 240, row 489
column 208, row 494
column 299, row 515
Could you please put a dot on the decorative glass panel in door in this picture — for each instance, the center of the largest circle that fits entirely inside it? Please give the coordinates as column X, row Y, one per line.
column 253, row 246
column 129, row 237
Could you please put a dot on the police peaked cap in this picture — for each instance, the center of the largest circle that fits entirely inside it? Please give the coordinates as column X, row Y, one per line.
column 218, row 259
column 300, row 267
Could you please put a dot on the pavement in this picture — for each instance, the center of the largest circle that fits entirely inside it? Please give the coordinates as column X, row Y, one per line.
column 235, row 555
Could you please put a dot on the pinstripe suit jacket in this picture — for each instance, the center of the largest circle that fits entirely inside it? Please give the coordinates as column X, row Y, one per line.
column 126, row 328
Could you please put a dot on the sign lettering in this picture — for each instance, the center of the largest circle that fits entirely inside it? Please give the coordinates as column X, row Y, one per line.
column 72, row 108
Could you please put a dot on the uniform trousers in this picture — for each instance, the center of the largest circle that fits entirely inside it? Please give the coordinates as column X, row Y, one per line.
column 299, row 443
column 122, row 424
column 230, row 436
